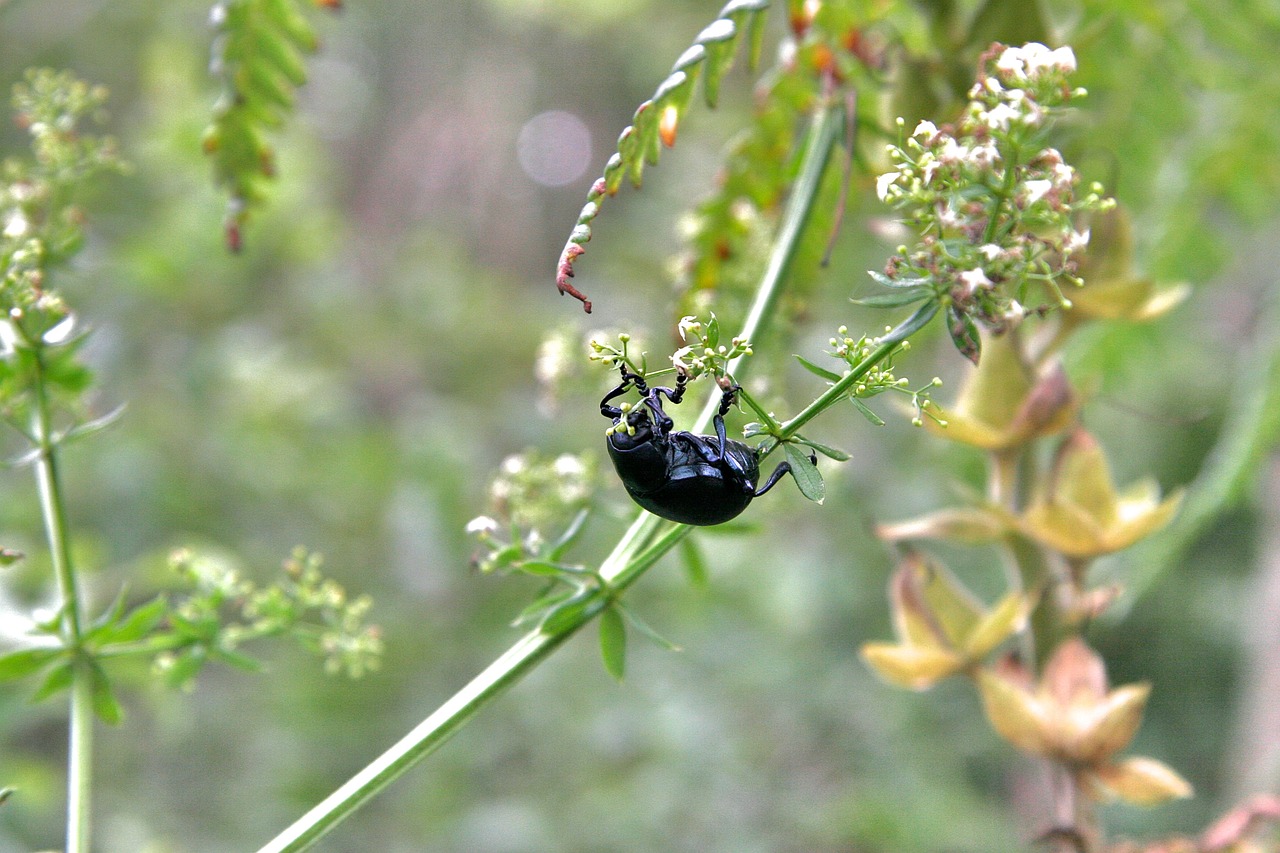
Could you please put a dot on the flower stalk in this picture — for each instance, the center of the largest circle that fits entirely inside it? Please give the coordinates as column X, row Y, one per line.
column 53, row 510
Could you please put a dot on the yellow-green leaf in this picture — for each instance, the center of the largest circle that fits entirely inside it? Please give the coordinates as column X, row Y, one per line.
column 1143, row 781
column 1008, row 617
column 914, row 667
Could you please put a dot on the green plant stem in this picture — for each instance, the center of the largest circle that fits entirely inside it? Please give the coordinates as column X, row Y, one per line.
column 428, row 735
column 80, row 759
column 839, row 390
column 52, row 508
column 636, row 551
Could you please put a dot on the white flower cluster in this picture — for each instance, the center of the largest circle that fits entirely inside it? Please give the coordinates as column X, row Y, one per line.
column 996, row 211
column 1034, row 60
column 529, row 494
column 706, row 354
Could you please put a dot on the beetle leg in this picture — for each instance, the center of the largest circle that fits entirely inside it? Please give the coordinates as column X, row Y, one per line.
column 677, row 394
column 778, row 473
column 660, row 417
column 782, row 469
column 729, row 397
column 720, row 457
column 726, row 402
column 714, row 451
column 653, row 396
column 614, row 412
column 721, row 438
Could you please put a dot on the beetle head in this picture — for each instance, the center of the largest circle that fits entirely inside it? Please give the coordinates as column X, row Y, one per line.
column 641, row 431
column 641, row 460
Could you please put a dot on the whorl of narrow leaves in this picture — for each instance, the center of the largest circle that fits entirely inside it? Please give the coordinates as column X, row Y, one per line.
column 656, row 120
column 258, row 54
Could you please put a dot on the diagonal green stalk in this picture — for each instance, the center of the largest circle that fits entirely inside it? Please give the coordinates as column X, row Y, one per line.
column 53, row 509
column 839, row 390
column 642, row 545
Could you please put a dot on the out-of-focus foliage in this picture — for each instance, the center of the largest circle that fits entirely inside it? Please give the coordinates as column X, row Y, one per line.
column 657, row 120
column 353, row 379
column 258, row 54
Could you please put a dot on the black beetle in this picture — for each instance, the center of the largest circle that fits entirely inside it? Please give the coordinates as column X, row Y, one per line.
column 692, row 479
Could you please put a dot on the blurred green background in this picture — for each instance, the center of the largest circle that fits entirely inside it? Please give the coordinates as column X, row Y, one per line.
column 352, row 380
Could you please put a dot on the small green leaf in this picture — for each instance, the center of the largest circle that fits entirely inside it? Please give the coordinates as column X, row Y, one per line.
column 5, row 794
column 68, row 374
column 541, row 568
column 822, row 372
column 506, row 556
column 267, row 86
column 89, row 428
column 644, row 628
column 567, row 614
column 236, row 659
column 55, row 681
column 719, row 39
column 274, row 48
column 543, row 604
column 713, row 332
column 568, row 537
column 103, row 623
column 676, row 91
column 806, row 474
column 755, row 25
column 283, row 14
column 24, row 662
column 866, row 411
column 613, row 642
column 912, row 324
column 895, row 299
column 105, row 705
column 695, row 565
column 185, row 667
column 690, row 61
column 711, row 55
column 898, row 283
column 140, row 622
column 52, row 625
column 826, row 450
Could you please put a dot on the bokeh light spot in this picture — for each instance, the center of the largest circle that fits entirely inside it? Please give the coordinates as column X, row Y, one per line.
column 554, row 148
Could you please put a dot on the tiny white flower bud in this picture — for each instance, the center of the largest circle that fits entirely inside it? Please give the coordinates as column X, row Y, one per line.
column 482, row 525
column 17, row 225
column 1012, row 63
column 974, row 280
column 1036, row 190
column 984, row 155
column 689, row 325
column 1078, row 240
column 884, row 182
column 1000, row 116
column 1063, row 59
